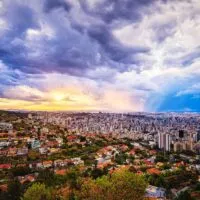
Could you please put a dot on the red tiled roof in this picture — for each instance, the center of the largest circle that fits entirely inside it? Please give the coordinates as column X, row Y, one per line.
column 3, row 187
column 60, row 172
column 139, row 172
column 147, row 162
column 153, row 171
column 5, row 166
column 71, row 137
column 132, row 152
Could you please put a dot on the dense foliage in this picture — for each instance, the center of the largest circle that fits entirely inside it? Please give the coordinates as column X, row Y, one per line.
column 120, row 185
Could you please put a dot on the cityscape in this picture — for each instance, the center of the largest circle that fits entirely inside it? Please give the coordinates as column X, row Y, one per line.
column 163, row 148
column 99, row 99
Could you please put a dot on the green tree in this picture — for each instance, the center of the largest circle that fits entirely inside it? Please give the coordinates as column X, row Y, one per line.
column 184, row 196
column 20, row 171
column 47, row 177
column 33, row 155
column 97, row 173
column 120, row 185
column 160, row 182
column 73, row 178
column 161, row 158
column 37, row 192
column 121, row 158
column 197, row 187
column 14, row 190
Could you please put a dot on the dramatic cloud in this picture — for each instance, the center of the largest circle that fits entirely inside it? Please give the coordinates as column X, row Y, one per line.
column 111, row 55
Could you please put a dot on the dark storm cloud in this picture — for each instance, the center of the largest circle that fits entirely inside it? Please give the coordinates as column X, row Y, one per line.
column 7, row 81
column 112, row 10
column 114, row 50
column 53, row 4
column 74, row 47
column 11, row 78
column 19, row 18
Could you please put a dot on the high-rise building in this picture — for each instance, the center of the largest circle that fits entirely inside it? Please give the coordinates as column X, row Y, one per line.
column 178, row 146
column 164, row 141
column 185, row 145
column 181, row 133
column 160, row 140
column 198, row 135
column 167, row 142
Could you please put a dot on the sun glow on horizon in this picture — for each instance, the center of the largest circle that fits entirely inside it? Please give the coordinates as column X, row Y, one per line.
column 59, row 97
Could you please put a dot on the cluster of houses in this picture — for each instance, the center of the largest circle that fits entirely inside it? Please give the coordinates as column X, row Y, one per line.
column 45, row 164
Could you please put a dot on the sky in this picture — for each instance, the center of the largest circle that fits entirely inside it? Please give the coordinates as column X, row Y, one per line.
column 100, row 55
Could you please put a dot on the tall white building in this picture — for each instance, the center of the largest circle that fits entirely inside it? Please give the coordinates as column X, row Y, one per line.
column 167, row 142
column 160, row 141
column 164, row 141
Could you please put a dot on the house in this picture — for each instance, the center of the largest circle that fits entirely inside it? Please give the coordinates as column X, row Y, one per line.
column 60, row 171
column 5, row 166
column 139, row 172
column 124, row 148
column 22, row 151
column 3, row 187
column 148, row 163
column 35, row 144
column 152, row 159
column 43, row 150
column 27, row 178
column 132, row 152
column 117, row 169
column 12, row 151
column 155, row 192
column 39, row 165
column 4, row 144
column 59, row 163
column 3, row 152
column 152, row 152
column 21, row 165
column 35, row 165
column 77, row 161
column 159, row 164
column 105, row 164
column 71, row 138
column 67, row 162
column 32, row 165
column 179, row 164
column 153, row 171
column 103, row 160
column 47, row 163
column 54, row 150
column 60, row 141
column 52, row 144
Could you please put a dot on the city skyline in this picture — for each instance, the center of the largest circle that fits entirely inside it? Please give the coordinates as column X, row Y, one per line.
column 100, row 55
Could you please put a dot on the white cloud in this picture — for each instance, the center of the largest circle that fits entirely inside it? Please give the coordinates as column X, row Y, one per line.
column 23, row 92
column 169, row 33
